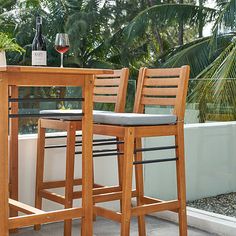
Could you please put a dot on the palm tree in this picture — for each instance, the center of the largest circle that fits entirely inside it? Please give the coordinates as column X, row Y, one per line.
column 212, row 59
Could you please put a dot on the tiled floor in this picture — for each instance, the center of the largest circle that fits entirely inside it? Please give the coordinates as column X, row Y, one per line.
column 102, row 227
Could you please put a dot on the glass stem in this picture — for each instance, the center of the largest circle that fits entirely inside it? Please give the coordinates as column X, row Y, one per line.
column 61, row 60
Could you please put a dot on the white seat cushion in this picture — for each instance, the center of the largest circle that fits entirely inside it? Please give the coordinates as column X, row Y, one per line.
column 67, row 117
column 133, row 119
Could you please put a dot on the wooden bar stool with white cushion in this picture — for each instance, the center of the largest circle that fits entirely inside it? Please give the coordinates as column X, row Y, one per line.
column 108, row 89
column 166, row 87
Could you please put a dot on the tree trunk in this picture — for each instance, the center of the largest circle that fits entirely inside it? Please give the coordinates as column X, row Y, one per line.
column 156, row 31
column 201, row 23
column 181, row 28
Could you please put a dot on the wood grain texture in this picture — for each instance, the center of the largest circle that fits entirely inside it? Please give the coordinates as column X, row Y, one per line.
column 127, row 181
column 13, row 149
column 47, row 217
column 139, row 181
column 48, row 70
column 4, row 155
column 70, row 163
column 87, row 158
column 162, row 82
column 39, row 168
column 181, row 179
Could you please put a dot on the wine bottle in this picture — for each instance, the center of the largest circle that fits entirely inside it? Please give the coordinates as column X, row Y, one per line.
column 39, row 52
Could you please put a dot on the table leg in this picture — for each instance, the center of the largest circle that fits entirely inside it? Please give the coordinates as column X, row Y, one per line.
column 13, row 150
column 87, row 162
column 4, row 156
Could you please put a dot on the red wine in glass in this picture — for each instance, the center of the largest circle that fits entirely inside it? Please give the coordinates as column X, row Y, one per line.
column 62, row 49
column 62, row 44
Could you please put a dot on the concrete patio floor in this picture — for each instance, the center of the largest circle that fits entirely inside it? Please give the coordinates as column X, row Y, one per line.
column 103, row 227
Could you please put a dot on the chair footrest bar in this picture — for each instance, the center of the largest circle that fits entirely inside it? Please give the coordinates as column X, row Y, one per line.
column 102, row 150
column 52, row 197
column 99, row 190
column 154, row 161
column 24, row 208
column 155, row 207
column 61, row 136
column 79, row 144
column 109, row 154
column 154, row 149
column 46, row 217
column 103, row 212
column 149, row 200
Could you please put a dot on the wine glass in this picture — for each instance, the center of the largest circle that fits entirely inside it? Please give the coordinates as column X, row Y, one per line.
column 62, row 44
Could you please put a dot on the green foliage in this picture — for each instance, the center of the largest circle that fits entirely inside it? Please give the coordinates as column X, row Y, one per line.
column 8, row 44
column 117, row 33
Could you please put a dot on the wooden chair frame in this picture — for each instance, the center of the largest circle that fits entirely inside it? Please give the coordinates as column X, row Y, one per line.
column 155, row 87
column 115, row 86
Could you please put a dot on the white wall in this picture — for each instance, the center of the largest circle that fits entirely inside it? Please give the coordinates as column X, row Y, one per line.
column 210, row 164
column 210, row 152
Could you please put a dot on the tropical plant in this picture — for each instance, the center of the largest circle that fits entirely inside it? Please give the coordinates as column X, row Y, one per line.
column 8, row 44
column 212, row 59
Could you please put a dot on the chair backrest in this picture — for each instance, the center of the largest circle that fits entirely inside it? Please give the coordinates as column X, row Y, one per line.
column 167, row 87
column 112, row 88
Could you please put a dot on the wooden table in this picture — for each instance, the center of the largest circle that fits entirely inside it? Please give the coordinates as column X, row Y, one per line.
column 13, row 77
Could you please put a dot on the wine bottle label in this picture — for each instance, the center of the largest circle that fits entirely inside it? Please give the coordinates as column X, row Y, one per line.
column 39, row 58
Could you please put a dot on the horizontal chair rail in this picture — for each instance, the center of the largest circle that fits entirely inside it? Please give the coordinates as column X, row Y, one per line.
column 44, row 99
column 24, row 208
column 46, row 217
column 52, row 196
column 98, row 191
column 59, row 183
column 155, row 207
column 78, row 144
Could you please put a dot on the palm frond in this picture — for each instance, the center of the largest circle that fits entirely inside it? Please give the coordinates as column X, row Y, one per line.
column 216, row 86
column 225, row 21
column 165, row 14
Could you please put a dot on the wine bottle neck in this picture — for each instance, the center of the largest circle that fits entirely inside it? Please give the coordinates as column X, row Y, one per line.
column 39, row 25
column 39, row 29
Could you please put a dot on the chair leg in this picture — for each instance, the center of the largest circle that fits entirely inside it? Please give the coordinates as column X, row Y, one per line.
column 39, row 169
column 127, row 181
column 139, row 187
column 93, row 177
column 70, row 161
column 181, row 183
column 120, row 148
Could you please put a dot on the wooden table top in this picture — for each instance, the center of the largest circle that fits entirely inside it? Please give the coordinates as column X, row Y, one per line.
column 67, row 70
column 48, row 76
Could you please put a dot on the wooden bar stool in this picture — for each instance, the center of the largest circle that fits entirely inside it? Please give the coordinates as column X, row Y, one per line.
column 166, row 87
column 110, row 88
